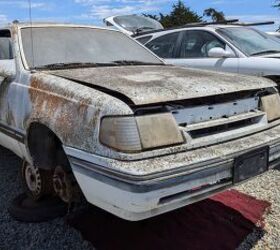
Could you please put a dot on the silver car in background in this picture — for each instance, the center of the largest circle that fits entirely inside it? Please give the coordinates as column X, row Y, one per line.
column 232, row 47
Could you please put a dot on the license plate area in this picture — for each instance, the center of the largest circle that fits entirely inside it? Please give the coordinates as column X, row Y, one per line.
column 251, row 164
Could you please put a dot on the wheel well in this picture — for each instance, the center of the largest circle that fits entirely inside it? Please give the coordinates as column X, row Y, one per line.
column 45, row 147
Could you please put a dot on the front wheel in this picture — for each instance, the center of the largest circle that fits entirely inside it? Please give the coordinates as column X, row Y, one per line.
column 65, row 185
column 37, row 182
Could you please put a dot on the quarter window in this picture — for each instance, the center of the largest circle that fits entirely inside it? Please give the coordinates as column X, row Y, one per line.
column 164, row 46
column 196, row 44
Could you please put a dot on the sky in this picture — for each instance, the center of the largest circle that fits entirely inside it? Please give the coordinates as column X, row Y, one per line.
column 93, row 11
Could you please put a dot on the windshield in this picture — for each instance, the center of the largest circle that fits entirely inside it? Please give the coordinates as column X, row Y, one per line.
column 135, row 23
column 250, row 41
column 66, row 45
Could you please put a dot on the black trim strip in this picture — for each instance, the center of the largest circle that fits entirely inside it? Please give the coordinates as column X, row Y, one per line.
column 137, row 186
column 17, row 135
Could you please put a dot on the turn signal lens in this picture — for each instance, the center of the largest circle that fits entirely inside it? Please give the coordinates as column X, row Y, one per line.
column 271, row 105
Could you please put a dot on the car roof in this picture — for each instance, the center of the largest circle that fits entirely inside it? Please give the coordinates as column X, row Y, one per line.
column 167, row 31
column 50, row 24
column 212, row 27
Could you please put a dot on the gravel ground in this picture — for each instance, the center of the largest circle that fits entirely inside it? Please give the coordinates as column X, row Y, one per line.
column 21, row 236
column 57, row 235
column 266, row 187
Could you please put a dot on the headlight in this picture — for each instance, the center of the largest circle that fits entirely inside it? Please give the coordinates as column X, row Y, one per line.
column 271, row 105
column 134, row 134
column 120, row 133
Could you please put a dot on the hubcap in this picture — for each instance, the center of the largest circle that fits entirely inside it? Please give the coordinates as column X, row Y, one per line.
column 62, row 185
column 33, row 179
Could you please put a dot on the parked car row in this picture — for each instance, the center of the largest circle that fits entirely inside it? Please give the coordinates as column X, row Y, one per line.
column 107, row 119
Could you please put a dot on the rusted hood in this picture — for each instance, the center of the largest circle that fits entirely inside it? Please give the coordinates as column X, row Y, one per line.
column 155, row 84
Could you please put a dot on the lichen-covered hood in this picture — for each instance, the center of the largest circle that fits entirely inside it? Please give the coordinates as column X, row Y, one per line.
column 156, row 84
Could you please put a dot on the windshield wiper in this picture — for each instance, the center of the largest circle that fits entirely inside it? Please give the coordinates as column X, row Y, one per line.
column 265, row 52
column 131, row 62
column 140, row 29
column 55, row 66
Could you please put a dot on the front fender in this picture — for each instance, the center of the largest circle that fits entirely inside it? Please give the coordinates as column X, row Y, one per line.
column 72, row 111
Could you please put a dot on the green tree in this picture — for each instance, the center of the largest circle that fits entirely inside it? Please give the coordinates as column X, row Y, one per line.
column 179, row 15
column 216, row 16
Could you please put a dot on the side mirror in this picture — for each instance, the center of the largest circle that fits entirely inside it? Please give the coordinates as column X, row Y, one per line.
column 219, row 53
column 8, row 68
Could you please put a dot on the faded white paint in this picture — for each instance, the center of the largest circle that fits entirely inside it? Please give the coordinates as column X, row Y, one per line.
column 73, row 111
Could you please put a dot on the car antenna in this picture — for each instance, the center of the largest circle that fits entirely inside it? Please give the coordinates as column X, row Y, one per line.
column 31, row 31
column 230, row 21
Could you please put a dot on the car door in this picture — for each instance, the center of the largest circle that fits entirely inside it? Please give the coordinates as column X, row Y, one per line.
column 194, row 50
column 9, row 135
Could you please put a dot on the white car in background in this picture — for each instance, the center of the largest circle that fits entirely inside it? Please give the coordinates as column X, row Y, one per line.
column 131, row 24
column 274, row 34
column 230, row 47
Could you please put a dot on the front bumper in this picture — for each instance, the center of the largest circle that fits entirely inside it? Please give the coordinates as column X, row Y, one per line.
column 136, row 190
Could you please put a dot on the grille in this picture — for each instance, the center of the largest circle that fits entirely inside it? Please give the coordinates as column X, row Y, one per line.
column 205, row 125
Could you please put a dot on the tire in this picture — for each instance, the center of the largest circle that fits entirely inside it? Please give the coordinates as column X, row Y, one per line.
column 51, row 174
column 24, row 209
column 37, row 183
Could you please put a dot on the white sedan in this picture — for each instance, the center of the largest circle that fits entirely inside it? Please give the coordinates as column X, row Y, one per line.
column 274, row 34
column 229, row 48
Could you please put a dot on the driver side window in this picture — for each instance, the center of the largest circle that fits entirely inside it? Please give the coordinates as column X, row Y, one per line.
column 6, row 51
column 196, row 44
column 164, row 46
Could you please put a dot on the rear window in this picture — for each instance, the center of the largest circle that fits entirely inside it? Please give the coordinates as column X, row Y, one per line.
column 133, row 23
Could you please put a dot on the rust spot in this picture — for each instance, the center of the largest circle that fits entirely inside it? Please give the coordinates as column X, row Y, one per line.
column 66, row 116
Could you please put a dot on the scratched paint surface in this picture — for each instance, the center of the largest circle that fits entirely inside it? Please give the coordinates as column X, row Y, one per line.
column 154, row 84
